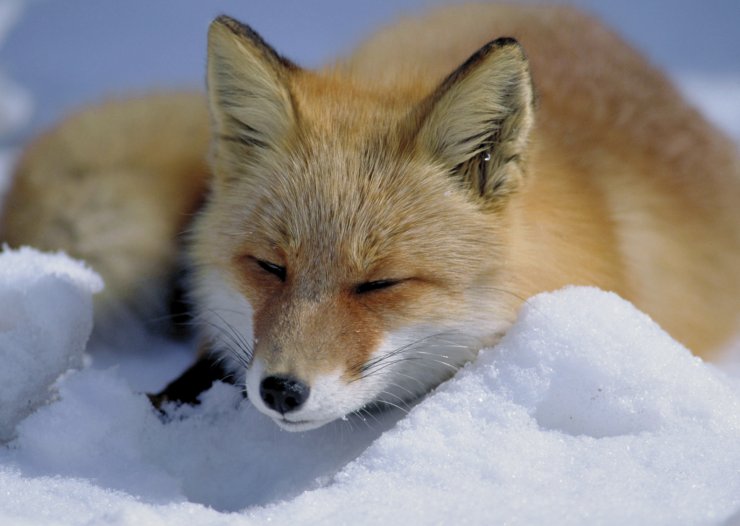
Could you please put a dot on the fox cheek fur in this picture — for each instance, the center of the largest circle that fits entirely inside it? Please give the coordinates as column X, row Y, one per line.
column 314, row 199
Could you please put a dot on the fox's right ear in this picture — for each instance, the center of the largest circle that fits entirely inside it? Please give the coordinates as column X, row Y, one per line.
column 248, row 94
column 477, row 123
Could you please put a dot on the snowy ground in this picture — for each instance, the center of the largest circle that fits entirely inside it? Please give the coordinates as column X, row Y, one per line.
column 587, row 413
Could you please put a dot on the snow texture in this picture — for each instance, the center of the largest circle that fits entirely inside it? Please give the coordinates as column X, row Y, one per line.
column 45, row 322
column 586, row 413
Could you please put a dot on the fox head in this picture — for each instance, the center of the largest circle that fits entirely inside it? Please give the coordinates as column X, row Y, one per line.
column 353, row 244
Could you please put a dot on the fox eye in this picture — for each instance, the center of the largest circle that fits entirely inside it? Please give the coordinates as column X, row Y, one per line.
column 272, row 268
column 371, row 286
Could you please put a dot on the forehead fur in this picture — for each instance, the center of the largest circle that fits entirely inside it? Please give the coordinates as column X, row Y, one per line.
column 346, row 189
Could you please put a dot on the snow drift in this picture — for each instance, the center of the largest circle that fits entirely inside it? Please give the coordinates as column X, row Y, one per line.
column 45, row 321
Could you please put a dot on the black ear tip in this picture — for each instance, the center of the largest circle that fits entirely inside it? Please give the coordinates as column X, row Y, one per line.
column 245, row 33
column 233, row 25
column 505, row 43
column 225, row 20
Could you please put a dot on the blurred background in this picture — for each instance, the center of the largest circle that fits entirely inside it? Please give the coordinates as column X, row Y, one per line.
column 56, row 55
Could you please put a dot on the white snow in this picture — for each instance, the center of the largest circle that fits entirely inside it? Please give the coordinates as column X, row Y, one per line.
column 45, row 321
column 586, row 413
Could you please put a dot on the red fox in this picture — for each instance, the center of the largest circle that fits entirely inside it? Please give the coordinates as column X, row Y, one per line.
column 363, row 230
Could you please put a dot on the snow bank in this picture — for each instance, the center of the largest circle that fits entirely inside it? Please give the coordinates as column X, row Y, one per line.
column 586, row 413
column 45, row 321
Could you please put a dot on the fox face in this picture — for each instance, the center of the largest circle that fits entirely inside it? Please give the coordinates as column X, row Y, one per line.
column 353, row 244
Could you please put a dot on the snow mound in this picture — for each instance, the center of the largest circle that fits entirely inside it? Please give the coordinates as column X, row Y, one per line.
column 586, row 413
column 45, row 321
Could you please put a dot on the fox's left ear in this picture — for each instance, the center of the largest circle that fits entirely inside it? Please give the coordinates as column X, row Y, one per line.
column 248, row 91
column 477, row 122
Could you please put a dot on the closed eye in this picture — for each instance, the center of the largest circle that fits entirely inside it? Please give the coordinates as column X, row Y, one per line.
column 272, row 268
column 370, row 286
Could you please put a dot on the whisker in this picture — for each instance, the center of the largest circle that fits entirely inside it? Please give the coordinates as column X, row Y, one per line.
column 403, row 348
column 370, row 415
column 238, row 355
column 358, row 413
column 409, row 391
column 232, row 335
column 380, row 401
column 400, row 400
column 245, row 344
column 379, row 365
column 423, row 361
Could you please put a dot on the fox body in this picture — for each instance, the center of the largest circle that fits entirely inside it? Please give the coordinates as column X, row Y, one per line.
column 368, row 227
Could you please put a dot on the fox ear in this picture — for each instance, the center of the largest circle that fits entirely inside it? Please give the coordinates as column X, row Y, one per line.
column 248, row 95
column 477, row 122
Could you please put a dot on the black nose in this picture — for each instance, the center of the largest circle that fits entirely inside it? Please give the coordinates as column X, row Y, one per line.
column 283, row 393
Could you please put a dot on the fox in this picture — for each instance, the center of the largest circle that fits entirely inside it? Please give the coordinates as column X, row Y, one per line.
column 355, row 234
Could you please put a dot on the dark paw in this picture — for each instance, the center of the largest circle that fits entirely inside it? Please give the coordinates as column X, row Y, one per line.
column 186, row 389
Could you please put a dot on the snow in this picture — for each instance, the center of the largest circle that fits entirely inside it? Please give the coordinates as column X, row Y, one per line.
column 586, row 413
column 45, row 322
